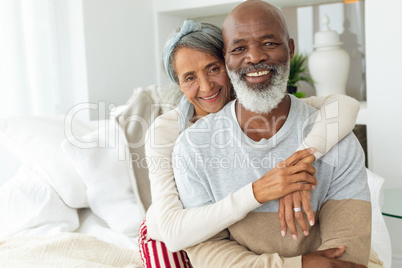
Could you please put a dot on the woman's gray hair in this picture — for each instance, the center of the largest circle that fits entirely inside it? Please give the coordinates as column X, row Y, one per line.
column 204, row 37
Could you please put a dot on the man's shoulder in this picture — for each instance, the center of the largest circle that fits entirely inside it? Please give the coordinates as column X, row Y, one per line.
column 351, row 148
column 215, row 119
column 212, row 121
column 199, row 135
column 345, row 163
column 345, row 154
column 302, row 106
column 347, row 148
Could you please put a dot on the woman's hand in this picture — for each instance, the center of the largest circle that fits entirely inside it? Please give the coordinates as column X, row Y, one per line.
column 286, row 213
column 285, row 178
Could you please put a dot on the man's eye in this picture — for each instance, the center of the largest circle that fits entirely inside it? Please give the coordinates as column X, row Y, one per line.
column 270, row 44
column 238, row 50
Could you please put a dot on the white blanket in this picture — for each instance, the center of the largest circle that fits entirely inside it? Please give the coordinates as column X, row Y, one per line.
column 30, row 206
column 65, row 250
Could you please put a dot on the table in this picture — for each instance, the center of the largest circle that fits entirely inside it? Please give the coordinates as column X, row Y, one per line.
column 392, row 205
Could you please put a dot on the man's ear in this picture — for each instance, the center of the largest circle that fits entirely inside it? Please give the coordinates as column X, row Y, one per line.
column 291, row 45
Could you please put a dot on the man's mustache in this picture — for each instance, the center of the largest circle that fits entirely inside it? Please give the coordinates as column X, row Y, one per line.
column 258, row 66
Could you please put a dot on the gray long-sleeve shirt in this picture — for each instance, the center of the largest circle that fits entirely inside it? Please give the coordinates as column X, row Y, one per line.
column 214, row 158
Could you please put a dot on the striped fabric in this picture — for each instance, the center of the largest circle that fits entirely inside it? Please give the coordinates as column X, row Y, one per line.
column 155, row 254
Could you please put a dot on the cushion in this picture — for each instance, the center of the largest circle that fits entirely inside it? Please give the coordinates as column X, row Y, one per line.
column 30, row 206
column 103, row 164
column 380, row 239
column 35, row 141
column 111, row 162
column 142, row 109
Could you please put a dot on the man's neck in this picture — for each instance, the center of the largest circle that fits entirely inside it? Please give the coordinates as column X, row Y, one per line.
column 262, row 126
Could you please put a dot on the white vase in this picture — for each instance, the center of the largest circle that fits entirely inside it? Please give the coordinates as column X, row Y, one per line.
column 328, row 64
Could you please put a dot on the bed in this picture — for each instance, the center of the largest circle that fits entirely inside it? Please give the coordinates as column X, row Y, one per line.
column 82, row 190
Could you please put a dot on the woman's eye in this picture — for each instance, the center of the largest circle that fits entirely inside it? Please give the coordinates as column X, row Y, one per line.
column 189, row 79
column 214, row 70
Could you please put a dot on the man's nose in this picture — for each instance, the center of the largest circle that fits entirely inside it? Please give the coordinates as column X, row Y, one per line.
column 256, row 55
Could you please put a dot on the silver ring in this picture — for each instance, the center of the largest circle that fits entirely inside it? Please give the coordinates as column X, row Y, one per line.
column 296, row 209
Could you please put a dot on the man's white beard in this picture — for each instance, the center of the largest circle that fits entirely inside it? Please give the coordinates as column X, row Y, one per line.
column 263, row 99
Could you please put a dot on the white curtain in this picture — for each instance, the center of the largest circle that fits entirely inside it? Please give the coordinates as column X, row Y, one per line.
column 42, row 57
column 42, row 62
column 28, row 81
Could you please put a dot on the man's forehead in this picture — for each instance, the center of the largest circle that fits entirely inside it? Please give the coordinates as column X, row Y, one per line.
column 250, row 14
column 252, row 28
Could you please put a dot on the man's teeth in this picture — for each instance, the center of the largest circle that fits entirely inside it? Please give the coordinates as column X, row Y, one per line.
column 212, row 96
column 260, row 73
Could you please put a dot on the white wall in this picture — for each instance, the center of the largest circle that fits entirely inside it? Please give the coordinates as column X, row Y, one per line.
column 120, row 48
column 384, row 89
column 384, row 98
column 166, row 25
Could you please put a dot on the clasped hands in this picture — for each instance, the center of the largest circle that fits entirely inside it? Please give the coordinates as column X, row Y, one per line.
column 291, row 182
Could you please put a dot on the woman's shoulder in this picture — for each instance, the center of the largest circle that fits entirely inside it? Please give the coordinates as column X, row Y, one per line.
column 164, row 131
column 167, row 118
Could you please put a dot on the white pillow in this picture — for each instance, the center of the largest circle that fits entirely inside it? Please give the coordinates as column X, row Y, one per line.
column 105, row 169
column 142, row 108
column 114, row 170
column 35, row 141
column 30, row 206
column 380, row 240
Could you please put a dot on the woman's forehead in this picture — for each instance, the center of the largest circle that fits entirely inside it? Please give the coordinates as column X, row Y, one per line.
column 189, row 59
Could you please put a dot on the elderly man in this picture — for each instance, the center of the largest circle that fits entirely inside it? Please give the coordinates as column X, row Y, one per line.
column 225, row 151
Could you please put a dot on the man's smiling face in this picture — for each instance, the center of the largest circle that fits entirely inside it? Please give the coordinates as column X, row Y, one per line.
column 256, row 42
column 257, row 52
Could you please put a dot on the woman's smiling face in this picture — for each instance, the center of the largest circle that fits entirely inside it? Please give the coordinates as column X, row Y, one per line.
column 203, row 79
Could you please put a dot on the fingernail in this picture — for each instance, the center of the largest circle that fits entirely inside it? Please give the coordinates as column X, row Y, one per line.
column 305, row 233
column 283, row 233
column 311, row 223
column 294, row 237
column 313, row 187
column 312, row 149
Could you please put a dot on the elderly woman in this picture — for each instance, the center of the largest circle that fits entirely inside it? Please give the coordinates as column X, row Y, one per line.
column 193, row 60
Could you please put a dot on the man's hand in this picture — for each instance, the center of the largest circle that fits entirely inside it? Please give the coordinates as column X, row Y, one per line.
column 285, row 178
column 297, row 199
column 326, row 259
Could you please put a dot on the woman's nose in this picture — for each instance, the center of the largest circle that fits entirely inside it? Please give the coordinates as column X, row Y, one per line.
column 205, row 84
